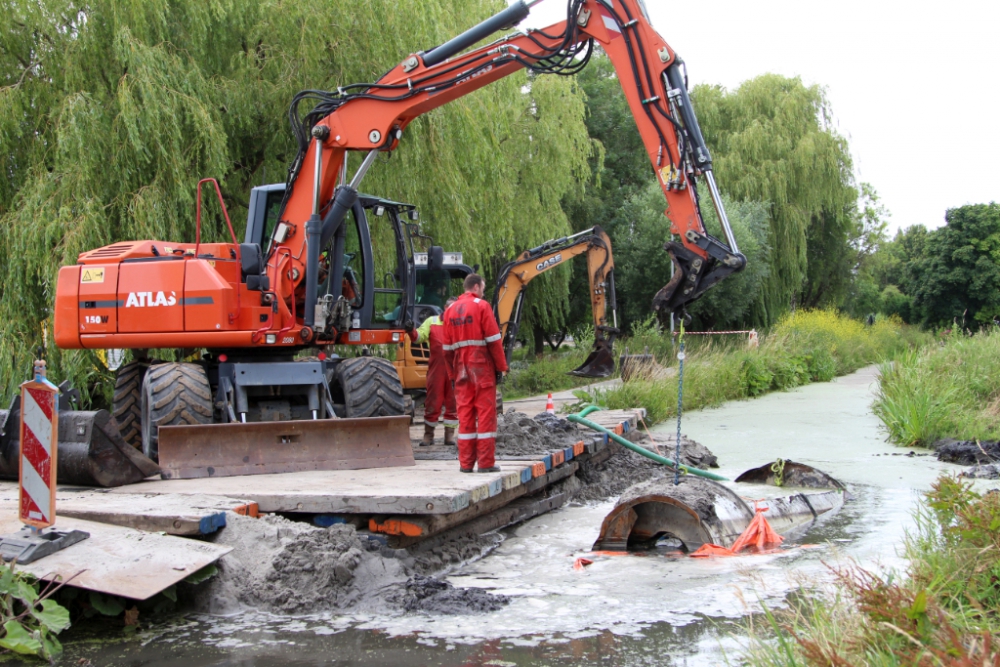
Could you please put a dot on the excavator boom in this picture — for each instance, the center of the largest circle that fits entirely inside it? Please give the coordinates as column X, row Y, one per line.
column 508, row 299
column 372, row 117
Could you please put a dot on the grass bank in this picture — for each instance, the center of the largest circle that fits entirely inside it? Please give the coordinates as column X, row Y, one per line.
column 949, row 390
column 804, row 347
column 529, row 376
column 943, row 611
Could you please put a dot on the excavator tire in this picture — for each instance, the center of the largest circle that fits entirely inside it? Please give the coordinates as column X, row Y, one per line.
column 127, row 402
column 173, row 394
column 370, row 387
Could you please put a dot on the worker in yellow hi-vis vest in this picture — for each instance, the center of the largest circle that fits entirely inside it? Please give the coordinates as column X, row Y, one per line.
column 440, row 390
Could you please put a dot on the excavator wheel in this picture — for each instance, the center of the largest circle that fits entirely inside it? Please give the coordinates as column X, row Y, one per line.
column 368, row 387
column 127, row 402
column 173, row 394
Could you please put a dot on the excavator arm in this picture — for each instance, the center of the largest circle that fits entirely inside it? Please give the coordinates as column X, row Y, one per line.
column 508, row 299
column 371, row 118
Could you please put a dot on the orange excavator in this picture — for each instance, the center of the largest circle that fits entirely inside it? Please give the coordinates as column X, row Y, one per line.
column 251, row 403
column 513, row 279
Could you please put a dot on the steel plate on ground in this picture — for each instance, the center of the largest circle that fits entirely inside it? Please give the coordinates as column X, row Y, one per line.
column 226, row 450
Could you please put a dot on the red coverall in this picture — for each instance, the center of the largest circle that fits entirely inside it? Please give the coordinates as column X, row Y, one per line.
column 474, row 352
column 440, row 392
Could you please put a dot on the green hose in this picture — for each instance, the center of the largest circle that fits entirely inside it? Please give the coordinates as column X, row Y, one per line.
column 579, row 419
column 587, row 410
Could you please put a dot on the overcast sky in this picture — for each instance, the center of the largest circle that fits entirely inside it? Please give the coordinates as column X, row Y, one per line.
column 913, row 85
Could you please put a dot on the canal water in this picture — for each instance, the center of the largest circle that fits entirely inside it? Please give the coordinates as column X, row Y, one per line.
column 632, row 610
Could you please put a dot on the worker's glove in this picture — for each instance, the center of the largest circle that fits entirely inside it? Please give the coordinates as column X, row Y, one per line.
column 499, row 377
column 408, row 325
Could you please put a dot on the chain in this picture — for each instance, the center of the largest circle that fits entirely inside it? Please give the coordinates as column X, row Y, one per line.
column 778, row 468
column 680, row 402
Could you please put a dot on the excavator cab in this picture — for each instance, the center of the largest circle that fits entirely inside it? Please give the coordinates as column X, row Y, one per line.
column 367, row 258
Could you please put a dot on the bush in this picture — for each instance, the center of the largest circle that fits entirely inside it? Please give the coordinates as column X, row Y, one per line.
column 803, row 347
column 950, row 390
column 945, row 612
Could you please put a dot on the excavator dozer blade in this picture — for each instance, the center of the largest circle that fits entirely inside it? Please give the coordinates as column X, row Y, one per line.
column 600, row 363
column 256, row 448
column 91, row 451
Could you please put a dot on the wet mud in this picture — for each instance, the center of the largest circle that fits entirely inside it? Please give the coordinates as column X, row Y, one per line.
column 290, row 567
column 968, row 452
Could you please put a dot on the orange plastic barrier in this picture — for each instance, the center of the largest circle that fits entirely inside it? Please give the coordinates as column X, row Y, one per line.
column 758, row 534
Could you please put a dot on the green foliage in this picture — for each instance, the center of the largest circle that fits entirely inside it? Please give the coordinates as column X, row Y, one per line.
column 755, row 377
column 957, row 277
column 29, row 618
column 642, row 267
column 773, row 141
column 806, row 346
column 944, row 612
column 109, row 115
column 951, row 390
column 204, row 574
column 549, row 373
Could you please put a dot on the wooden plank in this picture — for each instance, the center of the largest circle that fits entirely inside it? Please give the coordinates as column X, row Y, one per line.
column 198, row 514
column 429, row 487
column 407, row 530
column 120, row 561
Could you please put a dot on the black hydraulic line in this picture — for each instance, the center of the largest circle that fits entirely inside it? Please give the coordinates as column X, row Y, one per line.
column 313, row 228
column 319, row 232
column 508, row 18
column 699, row 151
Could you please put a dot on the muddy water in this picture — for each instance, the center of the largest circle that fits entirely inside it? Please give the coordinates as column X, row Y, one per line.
column 653, row 609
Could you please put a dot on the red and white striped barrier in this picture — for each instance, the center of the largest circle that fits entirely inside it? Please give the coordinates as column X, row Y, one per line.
column 39, row 436
column 37, row 498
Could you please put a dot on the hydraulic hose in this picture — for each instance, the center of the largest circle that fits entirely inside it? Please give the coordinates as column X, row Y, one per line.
column 581, row 419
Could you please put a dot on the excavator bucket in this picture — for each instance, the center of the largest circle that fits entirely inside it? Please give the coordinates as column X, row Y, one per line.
column 91, row 451
column 600, row 363
column 255, row 448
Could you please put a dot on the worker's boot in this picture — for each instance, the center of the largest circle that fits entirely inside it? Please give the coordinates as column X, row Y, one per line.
column 428, row 436
column 449, row 436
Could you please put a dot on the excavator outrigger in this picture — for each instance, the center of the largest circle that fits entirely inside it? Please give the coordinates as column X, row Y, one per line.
column 254, row 306
column 508, row 299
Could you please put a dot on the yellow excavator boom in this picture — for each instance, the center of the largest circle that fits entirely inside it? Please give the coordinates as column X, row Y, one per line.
column 513, row 279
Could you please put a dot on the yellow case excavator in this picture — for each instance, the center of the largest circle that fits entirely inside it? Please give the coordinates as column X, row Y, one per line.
column 513, row 279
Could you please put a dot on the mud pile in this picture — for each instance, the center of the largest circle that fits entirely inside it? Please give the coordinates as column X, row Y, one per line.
column 521, row 435
column 693, row 454
column 626, row 467
column 988, row 471
column 458, row 546
column 968, row 452
column 291, row 567
column 440, row 597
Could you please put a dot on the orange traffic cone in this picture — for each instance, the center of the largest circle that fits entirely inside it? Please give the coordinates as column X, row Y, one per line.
column 549, row 405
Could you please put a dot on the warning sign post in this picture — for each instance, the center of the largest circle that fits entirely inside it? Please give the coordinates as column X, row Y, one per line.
column 39, row 450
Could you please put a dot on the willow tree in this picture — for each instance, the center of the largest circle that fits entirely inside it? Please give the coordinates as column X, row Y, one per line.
column 111, row 110
column 772, row 140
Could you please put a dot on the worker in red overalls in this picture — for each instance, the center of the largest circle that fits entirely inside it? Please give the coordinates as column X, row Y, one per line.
column 440, row 389
column 475, row 357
